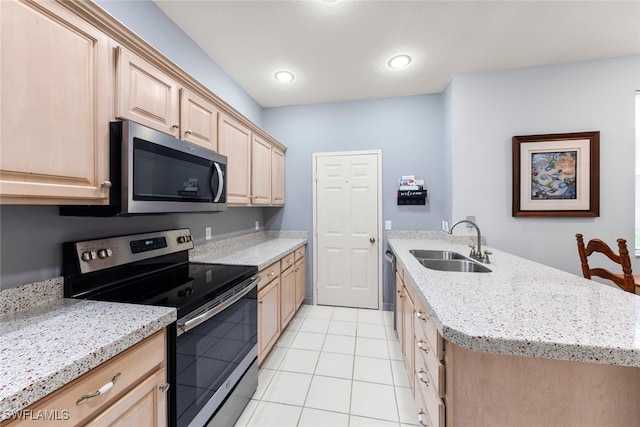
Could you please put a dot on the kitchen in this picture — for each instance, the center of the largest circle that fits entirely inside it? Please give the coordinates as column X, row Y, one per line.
column 477, row 113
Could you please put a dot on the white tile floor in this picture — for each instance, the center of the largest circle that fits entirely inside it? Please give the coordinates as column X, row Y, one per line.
column 334, row 367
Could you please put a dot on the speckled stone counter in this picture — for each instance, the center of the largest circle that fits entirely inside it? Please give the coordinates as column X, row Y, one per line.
column 523, row 307
column 260, row 249
column 45, row 347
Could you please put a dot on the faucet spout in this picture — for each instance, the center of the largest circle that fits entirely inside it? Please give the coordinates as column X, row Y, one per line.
column 477, row 254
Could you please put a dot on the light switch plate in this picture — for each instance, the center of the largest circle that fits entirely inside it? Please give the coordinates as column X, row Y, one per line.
column 257, row 225
column 207, row 233
column 445, row 226
column 387, row 225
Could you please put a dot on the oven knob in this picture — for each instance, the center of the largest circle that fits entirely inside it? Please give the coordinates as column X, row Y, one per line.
column 86, row 256
column 182, row 239
column 104, row 253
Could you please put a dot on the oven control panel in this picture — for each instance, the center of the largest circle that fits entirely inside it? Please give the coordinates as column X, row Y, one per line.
column 99, row 254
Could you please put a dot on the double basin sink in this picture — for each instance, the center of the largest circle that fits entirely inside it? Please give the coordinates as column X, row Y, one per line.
column 448, row 261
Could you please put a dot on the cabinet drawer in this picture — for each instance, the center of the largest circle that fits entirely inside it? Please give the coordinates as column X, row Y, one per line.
column 426, row 361
column 424, row 323
column 287, row 261
column 429, row 405
column 133, row 365
column 299, row 254
column 268, row 274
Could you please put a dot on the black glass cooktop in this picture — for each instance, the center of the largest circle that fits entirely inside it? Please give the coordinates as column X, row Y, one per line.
column 185, row 287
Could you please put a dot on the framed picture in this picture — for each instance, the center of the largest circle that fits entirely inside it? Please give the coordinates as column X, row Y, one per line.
column 556, row 175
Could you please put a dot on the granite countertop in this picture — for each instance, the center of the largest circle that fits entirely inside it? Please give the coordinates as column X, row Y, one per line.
column 523, row 307
column 50, row 345
column 260, row 249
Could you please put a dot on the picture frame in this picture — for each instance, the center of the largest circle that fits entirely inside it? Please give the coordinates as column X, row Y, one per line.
column 556, row 175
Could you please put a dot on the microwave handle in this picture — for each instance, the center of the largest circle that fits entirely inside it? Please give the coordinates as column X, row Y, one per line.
column 218, row 191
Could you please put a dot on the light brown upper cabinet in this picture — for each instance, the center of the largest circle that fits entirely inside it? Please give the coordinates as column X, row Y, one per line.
column 54, row 98
column 255, row 168
column 198, row 120
column 277, row 176
column 260, row 171
column 235, row 143
column 147, row 95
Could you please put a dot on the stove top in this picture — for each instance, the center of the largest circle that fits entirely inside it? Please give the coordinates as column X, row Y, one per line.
column 156, row 275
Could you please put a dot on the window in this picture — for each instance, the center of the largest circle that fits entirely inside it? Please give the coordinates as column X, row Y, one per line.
column 637, row 246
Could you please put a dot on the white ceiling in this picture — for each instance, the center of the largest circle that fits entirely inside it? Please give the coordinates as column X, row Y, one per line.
column 338, row 50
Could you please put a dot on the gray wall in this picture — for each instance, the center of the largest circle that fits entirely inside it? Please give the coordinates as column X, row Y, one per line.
column 408, row 130
column 32, row 236
column 489, row 108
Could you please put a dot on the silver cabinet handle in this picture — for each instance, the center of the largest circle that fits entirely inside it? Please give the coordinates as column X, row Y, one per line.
column 188, row 131
column 422, row 423
column 165, row 387
column 106, row 184
column 421, row 378
column 175, row 126
column 102, row 390
column 422, row 347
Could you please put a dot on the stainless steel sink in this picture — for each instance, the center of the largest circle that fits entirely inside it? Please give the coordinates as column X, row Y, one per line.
column 458, row 265
column 434, row 254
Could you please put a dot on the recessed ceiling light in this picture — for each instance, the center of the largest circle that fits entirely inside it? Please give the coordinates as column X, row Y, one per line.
column 399, row 61
column 284, row 76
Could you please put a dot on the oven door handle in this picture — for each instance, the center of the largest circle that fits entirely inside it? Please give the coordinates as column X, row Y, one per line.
column 250, row 284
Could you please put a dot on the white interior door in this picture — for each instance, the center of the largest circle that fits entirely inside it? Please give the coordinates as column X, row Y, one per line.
column 347, row 216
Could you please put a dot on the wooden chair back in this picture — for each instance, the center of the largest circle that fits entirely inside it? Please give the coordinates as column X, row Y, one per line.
column 625, row 280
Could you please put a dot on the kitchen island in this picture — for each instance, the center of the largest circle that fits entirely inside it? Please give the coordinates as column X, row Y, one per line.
column 528, row 344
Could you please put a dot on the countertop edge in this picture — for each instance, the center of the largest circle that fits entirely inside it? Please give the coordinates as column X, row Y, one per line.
column 575, row 352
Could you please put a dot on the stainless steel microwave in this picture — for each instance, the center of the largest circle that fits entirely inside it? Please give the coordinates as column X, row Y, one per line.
column 152, row 172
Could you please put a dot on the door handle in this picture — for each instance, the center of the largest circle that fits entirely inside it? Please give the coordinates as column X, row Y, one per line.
column 372, row 239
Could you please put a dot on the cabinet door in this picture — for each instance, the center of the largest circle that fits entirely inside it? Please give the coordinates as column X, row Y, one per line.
column 300, row 281
column 144, row 406
column 145, row 94
column 235, row 143
column 408, row 341
column 54, row 98
column 198, row 120
column 277, row 176
column 268, row 318
column 287, row 296
column 260, row 171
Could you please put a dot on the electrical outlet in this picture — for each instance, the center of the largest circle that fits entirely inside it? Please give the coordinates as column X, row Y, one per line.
column 445, row 226
column 387, row 225
column 207, row 233
column 257, row 225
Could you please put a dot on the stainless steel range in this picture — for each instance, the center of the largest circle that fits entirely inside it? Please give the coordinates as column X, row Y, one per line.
column 212, row 348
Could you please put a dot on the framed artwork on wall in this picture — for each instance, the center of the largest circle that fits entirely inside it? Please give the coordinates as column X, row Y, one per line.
column 556, row 175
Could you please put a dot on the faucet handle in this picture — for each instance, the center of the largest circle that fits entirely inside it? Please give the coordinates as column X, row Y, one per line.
column 486, row 257
column 473, row 249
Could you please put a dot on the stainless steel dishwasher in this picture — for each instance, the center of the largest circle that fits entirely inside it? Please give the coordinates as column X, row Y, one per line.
column 390, row 281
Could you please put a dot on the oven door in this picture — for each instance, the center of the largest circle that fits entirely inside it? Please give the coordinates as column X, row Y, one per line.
column 216, row 358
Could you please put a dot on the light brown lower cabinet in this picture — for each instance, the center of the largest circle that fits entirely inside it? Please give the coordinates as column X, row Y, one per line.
column 137, row 397
column 456, row 387
column 280, row 294
column 268, row 317
column 300, row 270
column 287, row 290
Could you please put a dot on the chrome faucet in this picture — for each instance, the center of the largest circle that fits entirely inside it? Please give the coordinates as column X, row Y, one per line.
column 476, row 254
